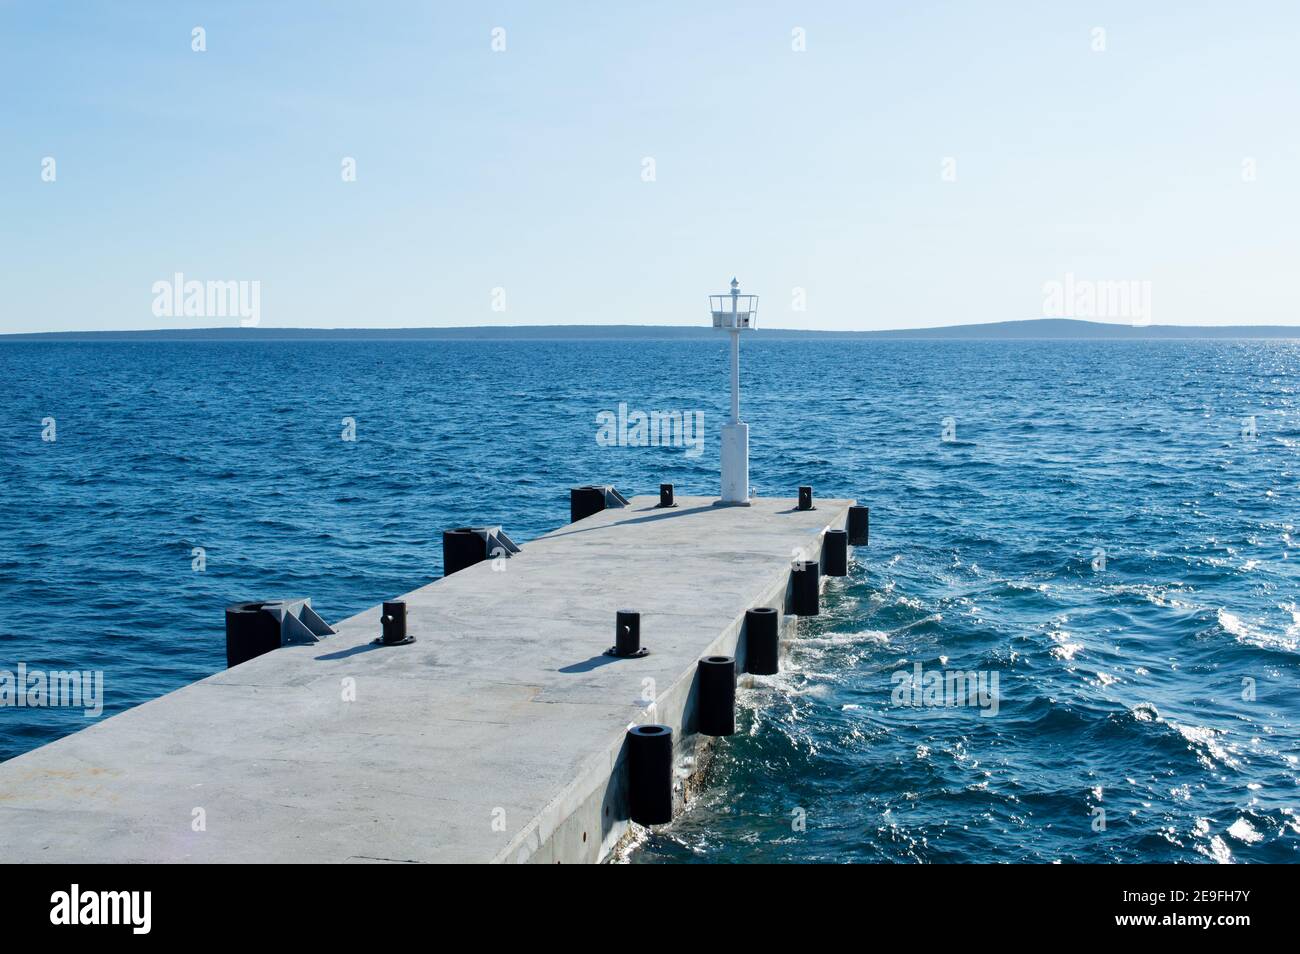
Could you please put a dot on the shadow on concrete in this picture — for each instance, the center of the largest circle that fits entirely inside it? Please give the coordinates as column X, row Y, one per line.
column 661, row 515
column 355, row 650
column 587, row 665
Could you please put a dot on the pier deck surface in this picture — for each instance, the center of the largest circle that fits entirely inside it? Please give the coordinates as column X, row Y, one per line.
column 495, row 736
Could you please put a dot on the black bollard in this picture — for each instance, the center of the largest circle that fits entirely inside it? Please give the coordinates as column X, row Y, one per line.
column 584, row 501
column 250, row 631
column 805, row 591
column 592, row 499
column 393, row 624
column 805, row 499
column 461, row 547
column 762, row 641
column 256, row 628
column 859, row 525
column 835, row 552
column 715, row 712
column 627, row 636
column 650, row 774
column 666, row 495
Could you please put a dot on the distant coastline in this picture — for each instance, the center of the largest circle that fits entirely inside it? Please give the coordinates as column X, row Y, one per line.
column 1033, row 329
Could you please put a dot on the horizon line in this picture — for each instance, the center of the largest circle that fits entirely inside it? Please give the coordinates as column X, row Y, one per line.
column 1009, row 328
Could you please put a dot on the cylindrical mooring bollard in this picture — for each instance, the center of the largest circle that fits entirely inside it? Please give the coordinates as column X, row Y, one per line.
column 715, row 712
column 250, row 631
column 461, row 547
column 859, row 525
column 627, row 635
column 666, row 495
column 762, row 641
column 650, row 774
column 393, row 622
column 805, row 498
column 806, row 589
column 584, row 501
column 835, row 552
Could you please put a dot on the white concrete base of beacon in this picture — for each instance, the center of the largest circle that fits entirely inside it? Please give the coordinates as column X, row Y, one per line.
column 735, row 465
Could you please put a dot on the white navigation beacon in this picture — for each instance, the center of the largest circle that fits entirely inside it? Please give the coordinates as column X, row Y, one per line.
column 736, row 313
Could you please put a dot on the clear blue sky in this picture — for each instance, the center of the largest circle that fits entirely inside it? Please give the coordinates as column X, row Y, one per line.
column 523, row 169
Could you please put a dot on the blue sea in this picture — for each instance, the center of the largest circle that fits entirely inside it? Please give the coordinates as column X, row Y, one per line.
column 1107, row 527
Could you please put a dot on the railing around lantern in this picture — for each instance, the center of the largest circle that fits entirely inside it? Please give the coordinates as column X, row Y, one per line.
column 745, row 315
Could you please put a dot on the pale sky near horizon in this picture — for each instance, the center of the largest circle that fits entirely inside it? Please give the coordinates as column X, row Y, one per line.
column 1170, row 157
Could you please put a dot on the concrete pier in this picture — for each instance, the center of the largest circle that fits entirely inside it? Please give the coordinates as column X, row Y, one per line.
column 496, row 736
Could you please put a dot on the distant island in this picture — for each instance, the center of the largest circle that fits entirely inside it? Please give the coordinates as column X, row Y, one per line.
column 1042, row 329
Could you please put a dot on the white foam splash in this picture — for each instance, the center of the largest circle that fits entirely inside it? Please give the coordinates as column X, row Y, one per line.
column 1206, row 740
column 1243, row 830
column 832, row 640
column 1217, row 848
column 1145, row 712
column 1064, row 648
column 1249, row 635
